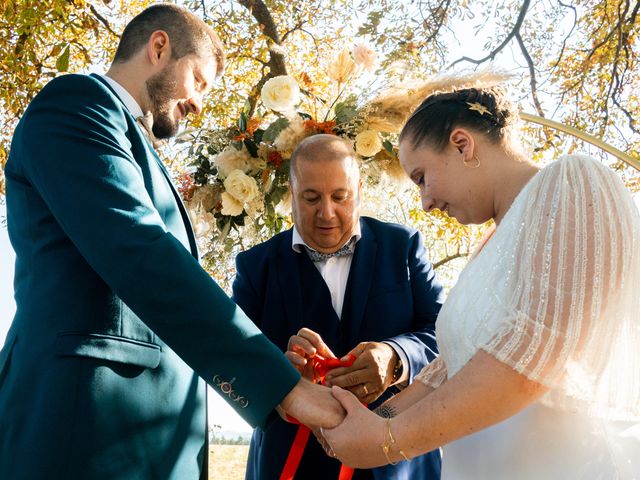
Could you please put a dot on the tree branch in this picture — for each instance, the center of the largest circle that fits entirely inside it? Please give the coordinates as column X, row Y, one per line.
column 277, row 58
column 532, row 74
column 564, row 41
column 448, row 259
column 505, row 42
column 289, row 32
column 103, row 20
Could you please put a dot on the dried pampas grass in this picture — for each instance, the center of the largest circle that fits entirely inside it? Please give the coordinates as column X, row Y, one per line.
column 389, row 111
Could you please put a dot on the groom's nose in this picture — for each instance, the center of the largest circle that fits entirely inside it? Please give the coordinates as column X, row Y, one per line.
column 195, row 105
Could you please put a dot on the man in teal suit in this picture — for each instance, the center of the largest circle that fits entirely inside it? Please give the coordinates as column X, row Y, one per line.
column 116, row 322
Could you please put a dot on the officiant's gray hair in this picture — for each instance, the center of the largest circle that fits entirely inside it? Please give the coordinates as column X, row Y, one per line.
column 322, row 147
column 188, row 33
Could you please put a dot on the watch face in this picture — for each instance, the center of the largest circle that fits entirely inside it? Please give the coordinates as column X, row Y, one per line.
column 397, row 371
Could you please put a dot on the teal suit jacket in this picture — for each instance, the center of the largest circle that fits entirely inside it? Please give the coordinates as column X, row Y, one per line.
column 115, row 322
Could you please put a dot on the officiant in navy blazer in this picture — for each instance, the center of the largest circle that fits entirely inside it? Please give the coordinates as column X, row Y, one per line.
column 345, row 283
column 116, row 322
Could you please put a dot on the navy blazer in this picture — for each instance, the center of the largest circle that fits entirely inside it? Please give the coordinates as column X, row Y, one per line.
column 391, row 294
column 115, row 320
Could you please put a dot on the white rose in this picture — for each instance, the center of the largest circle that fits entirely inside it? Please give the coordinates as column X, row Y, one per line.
column 280, row 93
column 241, row 186
column 231, row 159
column 364, row 55
column 342, row 67
column 368, row 143
column 230, row 205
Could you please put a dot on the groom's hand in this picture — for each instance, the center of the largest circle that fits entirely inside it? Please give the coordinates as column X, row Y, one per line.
column 312, row 405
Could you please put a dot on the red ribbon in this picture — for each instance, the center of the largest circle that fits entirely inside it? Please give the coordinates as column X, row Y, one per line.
column 321, row 366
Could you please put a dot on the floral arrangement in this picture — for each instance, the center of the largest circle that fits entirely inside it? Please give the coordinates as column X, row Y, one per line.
column 241, row 173
column 239, row 176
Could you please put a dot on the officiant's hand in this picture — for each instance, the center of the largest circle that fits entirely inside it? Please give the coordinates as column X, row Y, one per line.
column 370, row 375
column 312, row 405
column 303, row 346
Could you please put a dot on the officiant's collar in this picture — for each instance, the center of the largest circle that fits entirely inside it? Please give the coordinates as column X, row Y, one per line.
column 297, row 242
column 125, row 96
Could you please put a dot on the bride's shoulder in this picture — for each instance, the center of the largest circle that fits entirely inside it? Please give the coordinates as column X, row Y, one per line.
column 575, row 167
column 576, row 162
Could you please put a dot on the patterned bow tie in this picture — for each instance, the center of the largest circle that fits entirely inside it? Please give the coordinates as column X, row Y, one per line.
column 146, row 122
column 346, row 250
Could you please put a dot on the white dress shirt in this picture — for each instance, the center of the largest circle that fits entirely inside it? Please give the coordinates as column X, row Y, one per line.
column 125, row 96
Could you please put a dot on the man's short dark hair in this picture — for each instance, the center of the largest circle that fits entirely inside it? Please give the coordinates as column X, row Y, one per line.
column 188, row 34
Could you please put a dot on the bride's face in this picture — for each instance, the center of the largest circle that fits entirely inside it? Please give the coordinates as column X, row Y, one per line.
column 444, row 181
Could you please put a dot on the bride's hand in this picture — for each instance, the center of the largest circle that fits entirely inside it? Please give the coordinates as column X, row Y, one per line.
column 356, row 442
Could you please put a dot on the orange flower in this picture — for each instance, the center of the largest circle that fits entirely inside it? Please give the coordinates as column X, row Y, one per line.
column 275, row 158
column 253, row 125
column 320, row 127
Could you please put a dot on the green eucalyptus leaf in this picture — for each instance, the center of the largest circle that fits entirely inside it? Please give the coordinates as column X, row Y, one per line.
column 274, row 129
column 257, row 136
column 242, row 122
column 252, row 148
column 344, row 112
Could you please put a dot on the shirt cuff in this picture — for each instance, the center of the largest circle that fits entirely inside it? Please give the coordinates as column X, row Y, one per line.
column 405, row 363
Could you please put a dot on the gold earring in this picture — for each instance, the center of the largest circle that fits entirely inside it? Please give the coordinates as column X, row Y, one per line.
column 468, row 164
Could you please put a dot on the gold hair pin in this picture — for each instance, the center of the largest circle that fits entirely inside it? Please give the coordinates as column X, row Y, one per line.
column 477, row 107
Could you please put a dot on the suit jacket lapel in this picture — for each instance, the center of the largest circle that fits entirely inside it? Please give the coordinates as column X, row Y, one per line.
column 359, row 283
column 193, row 245
column 183, row 210
column 288, row 268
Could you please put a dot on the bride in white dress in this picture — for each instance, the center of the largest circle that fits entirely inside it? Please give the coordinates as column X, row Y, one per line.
column 539, row 368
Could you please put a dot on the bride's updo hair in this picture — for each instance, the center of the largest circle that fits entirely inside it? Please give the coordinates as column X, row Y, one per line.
column 484, row 110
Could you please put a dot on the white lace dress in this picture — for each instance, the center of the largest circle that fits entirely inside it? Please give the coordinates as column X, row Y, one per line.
column 555, row 294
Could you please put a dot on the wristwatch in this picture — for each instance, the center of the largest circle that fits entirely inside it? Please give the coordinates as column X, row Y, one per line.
column 397, row 370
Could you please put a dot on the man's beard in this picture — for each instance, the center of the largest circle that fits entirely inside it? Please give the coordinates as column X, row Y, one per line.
column 161, row 88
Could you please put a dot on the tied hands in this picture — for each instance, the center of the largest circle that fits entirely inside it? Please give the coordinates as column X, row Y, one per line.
column 310, row 403
column 367, row 378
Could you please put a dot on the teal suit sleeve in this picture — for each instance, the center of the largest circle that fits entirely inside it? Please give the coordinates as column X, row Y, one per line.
column 76, row 151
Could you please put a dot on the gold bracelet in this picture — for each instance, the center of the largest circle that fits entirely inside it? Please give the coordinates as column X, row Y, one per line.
column 387, row 444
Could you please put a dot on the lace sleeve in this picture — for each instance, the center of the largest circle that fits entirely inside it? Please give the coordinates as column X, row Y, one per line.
column 571, row 316
column 434, row 374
